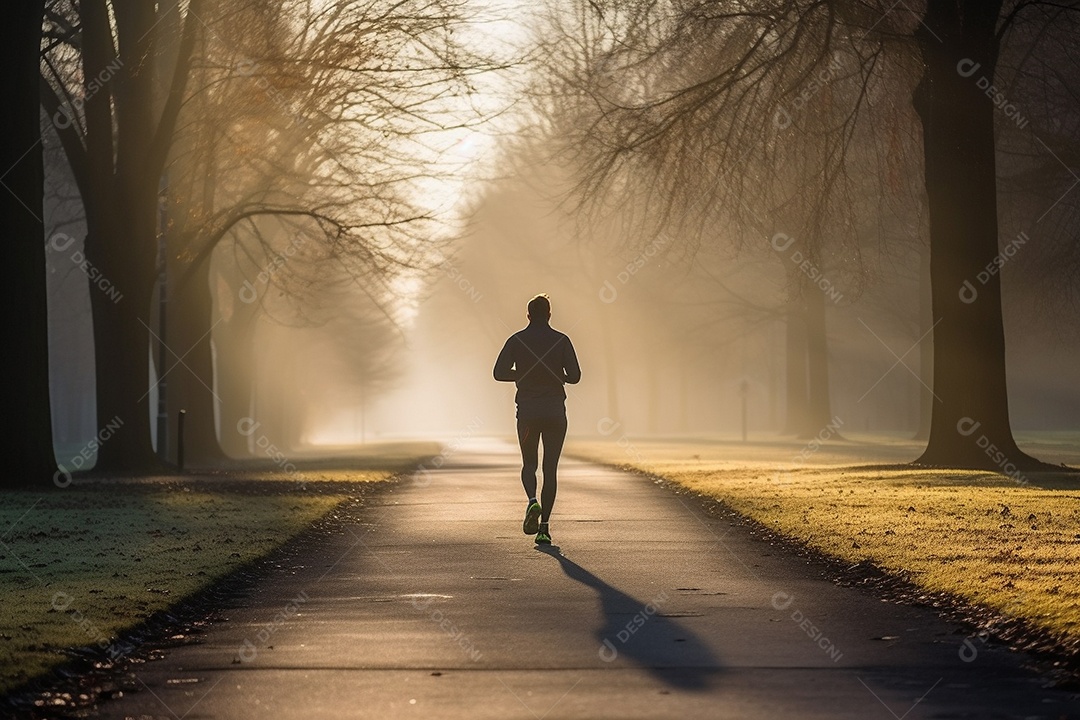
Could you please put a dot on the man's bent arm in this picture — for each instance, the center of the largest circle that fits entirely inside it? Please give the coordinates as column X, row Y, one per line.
column 571, row 369
column 504, row 365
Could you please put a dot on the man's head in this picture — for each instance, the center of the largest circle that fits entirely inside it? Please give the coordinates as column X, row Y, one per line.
column 540, row 308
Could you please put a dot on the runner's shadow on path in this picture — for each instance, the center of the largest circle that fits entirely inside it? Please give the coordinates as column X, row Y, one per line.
column 637, row 631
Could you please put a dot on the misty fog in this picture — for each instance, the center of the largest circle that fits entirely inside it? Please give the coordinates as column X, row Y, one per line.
column 682, row 329
column 669, row 341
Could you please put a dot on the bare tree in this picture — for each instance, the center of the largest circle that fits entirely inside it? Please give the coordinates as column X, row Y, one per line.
column 318, row 114
column 306, row 126
column 116, row 125
column 731, row 113
column 663, row 150
column 970, row 424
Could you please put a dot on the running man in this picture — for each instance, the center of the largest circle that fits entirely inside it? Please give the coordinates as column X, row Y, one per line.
column 539, row 360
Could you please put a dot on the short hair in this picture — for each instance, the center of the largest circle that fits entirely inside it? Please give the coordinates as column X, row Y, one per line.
column 540, row 306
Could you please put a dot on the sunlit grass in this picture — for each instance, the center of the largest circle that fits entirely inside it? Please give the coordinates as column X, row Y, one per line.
column 1011, row 547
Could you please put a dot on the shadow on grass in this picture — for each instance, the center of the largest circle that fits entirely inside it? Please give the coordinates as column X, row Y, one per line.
column 1050, row 477
column 638, row 631
column 269, row 461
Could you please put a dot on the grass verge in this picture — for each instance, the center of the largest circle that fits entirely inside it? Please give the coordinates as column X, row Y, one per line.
column 984, row 538
column 82, row 565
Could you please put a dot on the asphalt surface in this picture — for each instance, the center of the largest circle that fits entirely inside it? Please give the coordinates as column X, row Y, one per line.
column 431, row 603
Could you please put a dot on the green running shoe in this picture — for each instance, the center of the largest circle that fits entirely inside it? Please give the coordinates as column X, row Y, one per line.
column 532, row 519
column 543, row 537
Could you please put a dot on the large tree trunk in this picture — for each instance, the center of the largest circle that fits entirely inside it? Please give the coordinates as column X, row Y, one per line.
column 926, row 348
column 30, row 460
column 121, row 312
column 970, row 422
column 190, row 364
column 122, row 230
column 117, row 154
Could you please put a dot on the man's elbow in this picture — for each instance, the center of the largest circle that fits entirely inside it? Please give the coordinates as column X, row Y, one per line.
column 573, row 379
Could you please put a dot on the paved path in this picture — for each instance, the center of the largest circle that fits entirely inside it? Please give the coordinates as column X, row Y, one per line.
column 431, row 603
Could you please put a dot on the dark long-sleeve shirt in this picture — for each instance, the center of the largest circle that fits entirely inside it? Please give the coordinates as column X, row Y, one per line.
column 539, row 360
